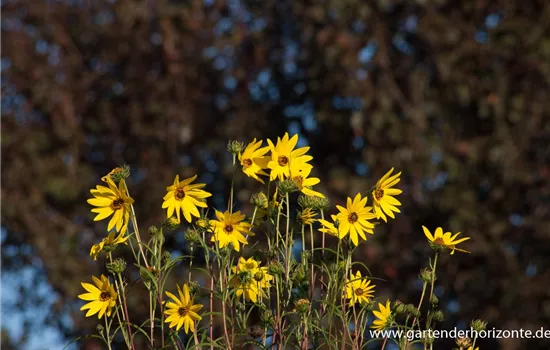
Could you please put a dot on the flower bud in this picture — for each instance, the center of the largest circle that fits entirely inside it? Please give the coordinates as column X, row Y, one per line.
column 259, row 200
column 275, row 268
column 153, row 231
column 429, row 340
column 117, row 266
column 240, row 306
column 463, row 343
column 438, row 316
column 202, row 224
column 267, row 318
column 306, row 201
column 259, row 275
column 118, row 173
column 425, row 275
column 299, row 275
column 286, row 186
column 193, row 287
column 479, row 325
column 235, row 147
column 171, row 223
column 399, row 307
column 192, row 236
column 166, row 257
column 321, row 203
column 411, row 309
column 302, row 306
column 99, row 328
column 434, row 300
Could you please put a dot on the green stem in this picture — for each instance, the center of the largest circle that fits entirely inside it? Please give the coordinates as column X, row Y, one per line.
column 434, row 266
column 127, row 336
column 312, row 260
column 108, row 340
column 288, row 238
column 232, row 184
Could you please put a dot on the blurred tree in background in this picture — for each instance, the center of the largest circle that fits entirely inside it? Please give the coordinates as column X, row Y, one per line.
column 453, row 93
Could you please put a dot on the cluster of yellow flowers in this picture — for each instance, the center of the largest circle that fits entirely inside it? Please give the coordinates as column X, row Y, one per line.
column 250, row 281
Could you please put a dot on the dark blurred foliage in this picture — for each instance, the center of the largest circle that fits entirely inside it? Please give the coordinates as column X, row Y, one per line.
column 453, row 93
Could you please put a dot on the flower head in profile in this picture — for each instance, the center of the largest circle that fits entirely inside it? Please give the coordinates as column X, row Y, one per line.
column 359, row 289
column 299, row 175
column 111, row 200
column 101, row 296
column 117, row 174
column 271, row 205
column 110, row 242
column 445, row 240
column 330, row 227
column 230, row 228
column 384, row 202
column 254, row 160
column 185, row 197
column 307, row 216
column 354, row 219
column 383, row 316
column 182, row 310
column 283, row 155
column 250, row 279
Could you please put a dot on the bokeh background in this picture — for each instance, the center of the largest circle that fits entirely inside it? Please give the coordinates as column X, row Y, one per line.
column 455, row 94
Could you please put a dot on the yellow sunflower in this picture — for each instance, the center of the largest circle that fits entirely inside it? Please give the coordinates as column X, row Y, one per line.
column 101, row 297
column 182, row 310
column 359, row 289
column 384, row 202
column 330, row 227
column 110, row 241
column 445, row 240
column 354, row 219
column 250, row 279
column 283, row 155
column 111, row 201
column 184, row 197
column 307, row 216
column 383, row 317
column 254, row 160
column 229, row 228
column 299, row 175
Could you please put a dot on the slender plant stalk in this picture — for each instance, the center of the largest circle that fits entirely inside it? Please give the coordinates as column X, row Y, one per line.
column 287, row 240
column 225, row 332
column 121, row 296
column 211, row 310
column 312, row 262
column 107, row 326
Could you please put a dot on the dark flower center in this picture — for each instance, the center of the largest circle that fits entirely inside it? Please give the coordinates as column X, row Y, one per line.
column 228, row 228
column 359, row 291
column 283, row 160
column 180, row 193
column 439, row 241
column 352, row 217
column 182, row 311
column 378, row 194
column 117, row 203
column 247, row 162
column 104, row 296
